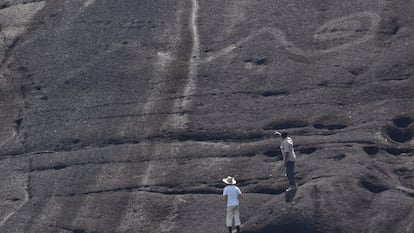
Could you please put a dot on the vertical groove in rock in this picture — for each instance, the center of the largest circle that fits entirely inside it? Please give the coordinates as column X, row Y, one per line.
column 183, row 104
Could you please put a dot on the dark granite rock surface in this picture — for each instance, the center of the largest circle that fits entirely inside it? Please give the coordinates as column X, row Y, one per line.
column 124, row 116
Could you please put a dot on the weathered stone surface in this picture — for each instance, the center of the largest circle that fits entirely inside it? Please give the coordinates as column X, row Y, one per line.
column 124, row 116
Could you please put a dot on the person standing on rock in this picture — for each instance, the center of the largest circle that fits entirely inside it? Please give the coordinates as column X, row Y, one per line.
column 232, row 193
column 289, row 158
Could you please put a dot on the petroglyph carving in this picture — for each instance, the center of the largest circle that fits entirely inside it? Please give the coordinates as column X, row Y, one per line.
column 10, row 207
column 353, row 29
column 14, row 21
column 350, row 30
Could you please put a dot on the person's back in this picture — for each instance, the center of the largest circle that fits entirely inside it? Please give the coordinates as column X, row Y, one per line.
column 232, row 192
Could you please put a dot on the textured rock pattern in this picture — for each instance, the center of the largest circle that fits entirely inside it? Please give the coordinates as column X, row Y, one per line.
column 123, row 116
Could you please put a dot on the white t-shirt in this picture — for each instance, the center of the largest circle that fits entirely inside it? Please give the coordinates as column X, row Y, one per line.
column 287, row 146
column 232, row 192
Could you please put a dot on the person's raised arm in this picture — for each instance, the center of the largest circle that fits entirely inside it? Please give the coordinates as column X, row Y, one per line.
column 277, row 133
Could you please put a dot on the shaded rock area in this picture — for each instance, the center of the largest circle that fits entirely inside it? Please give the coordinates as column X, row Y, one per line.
column 124, row 116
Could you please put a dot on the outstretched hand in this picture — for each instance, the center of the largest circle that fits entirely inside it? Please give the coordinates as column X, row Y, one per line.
column 277, row 133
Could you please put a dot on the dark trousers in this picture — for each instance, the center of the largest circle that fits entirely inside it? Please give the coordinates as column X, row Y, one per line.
column 290, row 171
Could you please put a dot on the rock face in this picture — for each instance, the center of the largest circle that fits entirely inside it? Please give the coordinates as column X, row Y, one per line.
column 124, row 116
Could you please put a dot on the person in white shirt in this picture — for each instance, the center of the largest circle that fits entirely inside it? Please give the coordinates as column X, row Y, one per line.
column 232, row 193
column 289, row 158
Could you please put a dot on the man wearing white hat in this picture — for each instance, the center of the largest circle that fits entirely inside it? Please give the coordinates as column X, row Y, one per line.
column 232, row 192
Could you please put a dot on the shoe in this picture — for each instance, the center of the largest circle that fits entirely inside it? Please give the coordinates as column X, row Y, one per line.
column 292, row 187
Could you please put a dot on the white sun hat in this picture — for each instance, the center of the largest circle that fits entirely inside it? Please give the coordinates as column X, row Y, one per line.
column 229, row 180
